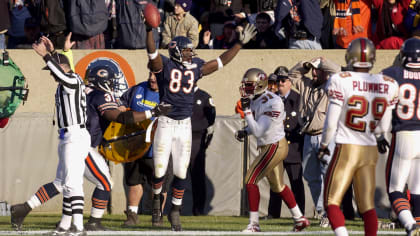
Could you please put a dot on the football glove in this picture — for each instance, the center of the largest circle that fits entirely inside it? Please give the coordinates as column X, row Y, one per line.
column 321, row 153
column 382, row 144
column 240, row 135
column 247, row 34
column 245, row 103
column 161, row 109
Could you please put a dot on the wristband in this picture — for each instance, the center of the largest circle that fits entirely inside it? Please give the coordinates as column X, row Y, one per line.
column 153, row 56
column 247, row 112
column 148, row 114
column 219, row 63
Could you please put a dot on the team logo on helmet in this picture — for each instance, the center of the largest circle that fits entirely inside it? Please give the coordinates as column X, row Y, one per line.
column 102, row 73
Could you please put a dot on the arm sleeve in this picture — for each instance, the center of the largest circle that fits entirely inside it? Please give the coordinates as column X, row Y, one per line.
column 330, row 125
column 257, row 128
column 384, row 125
column 68, row 81
column 210, row 111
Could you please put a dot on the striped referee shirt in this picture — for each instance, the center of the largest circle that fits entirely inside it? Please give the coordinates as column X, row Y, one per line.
column 70, row 97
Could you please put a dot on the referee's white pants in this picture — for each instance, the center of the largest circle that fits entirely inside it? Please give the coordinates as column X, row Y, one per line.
column 73, row 148
column 172, row 137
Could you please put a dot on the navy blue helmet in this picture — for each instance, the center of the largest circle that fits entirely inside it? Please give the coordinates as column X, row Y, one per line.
column 410, row 53
column 177, row 45
column 102, row 77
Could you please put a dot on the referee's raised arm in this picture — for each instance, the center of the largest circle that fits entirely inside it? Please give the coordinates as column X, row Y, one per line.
column 57, row 63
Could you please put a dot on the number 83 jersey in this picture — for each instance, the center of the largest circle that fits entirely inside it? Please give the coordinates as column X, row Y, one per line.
column 363, row 98
column 406, row 116
column 176, row 85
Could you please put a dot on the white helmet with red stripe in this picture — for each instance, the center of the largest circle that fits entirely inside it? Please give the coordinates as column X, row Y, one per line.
column 361, row 53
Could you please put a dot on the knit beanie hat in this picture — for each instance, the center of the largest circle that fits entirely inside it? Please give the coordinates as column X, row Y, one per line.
column 185, row 4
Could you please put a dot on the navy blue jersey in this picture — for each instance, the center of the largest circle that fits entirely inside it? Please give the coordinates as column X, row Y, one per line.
column 176, row 84
column 406, row 116
column 98, row 102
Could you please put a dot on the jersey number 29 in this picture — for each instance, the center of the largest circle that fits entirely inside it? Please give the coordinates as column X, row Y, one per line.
column 360, row 108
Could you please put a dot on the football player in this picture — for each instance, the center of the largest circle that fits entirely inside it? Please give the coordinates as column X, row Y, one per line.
column 176, row 77
column 404, row 158
column 265, row 114
column 360, row 108
column 101, row 110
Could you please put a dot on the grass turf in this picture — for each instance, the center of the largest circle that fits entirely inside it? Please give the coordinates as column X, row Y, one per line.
column 44, row 221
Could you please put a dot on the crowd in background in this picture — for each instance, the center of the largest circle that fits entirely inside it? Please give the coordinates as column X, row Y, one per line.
column 213, row 24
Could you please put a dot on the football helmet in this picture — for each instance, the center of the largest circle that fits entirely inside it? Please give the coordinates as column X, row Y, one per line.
column 361, row 53
column 102, row 77
column 176, row 47
column 410, row 53
column 253, row 83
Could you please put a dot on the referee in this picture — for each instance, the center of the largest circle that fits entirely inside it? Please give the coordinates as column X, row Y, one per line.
column 73, row 147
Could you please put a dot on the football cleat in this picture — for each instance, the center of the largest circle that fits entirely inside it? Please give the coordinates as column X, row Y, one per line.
column 157, row 218
column 414, row 231
column 18, row 213
column 59, row 231
column 324, row 222
column 174, row 219
column 301, row 224
column 252, row 227
column 132, row 218
column 76, row 232
column 95, row 226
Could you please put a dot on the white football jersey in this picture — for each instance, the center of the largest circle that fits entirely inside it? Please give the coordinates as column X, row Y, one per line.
column 363, row 98
column 269, row 105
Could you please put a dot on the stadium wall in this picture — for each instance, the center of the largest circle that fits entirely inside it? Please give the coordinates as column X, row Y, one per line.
column 28, row 145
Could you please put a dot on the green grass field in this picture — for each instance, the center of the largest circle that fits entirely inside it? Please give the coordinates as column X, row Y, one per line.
column 200, row 224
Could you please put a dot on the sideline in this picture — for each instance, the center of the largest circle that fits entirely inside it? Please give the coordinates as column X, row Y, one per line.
column 121, row 233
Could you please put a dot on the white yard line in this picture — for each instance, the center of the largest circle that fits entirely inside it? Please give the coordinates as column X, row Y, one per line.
column 43, row 232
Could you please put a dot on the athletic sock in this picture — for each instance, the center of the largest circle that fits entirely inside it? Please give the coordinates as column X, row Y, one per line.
column 65, row 221
column 253, row 197
column 178, row 191
column 77, row 204
column 133, row 209
column 44, row 193
column 100, row 200
column 370, row 222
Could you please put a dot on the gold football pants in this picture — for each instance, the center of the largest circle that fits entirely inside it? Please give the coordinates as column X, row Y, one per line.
column 269, row 163
column 352, row 163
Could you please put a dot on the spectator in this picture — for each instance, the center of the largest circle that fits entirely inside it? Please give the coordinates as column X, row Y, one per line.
column 202, row 121
column 228, row 38
column 293, row 161
column 312, row 110
column 180, row 23
column 4, row 22
column 220, row 13
column 328, row 12
column 87, row 20
column 302, row 21
column 390, row 30
column 205, row 41
column 32, row 33
column 18, row 15
column 410, row 20
column 141, row 97
column 352, row 21
column 265, row 38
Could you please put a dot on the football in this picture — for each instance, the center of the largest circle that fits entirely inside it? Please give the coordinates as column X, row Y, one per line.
column 152, row 15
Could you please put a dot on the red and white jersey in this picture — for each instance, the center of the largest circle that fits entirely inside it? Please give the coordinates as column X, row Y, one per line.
column 266, row 121
column 363, row 99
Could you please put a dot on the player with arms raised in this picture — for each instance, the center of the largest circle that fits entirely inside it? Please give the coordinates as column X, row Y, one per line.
column 176, row 77
column 360, row 108
column 404, row 156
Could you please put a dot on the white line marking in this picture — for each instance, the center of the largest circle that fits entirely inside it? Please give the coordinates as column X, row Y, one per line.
column 41, row 232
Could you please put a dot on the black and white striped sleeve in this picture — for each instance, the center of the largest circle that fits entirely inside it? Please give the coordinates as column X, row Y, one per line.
column 67, row 80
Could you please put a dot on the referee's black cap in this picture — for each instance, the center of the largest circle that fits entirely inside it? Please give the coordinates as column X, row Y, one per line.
column 60, row 59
